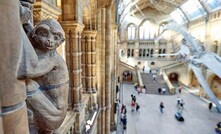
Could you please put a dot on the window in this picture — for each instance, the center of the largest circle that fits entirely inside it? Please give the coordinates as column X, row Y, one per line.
column 164, row 52
column 144, row 52
column 151, row 53
column 132, row 52
column 161, row 28
column 128, row 53
column 140, row 52
column 213, row 4
column 159, row 52
column 148, row 52
column 178, row 16
column 131, row 32
column 146, row 31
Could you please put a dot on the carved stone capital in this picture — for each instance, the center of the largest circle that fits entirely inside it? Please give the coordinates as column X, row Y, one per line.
column 44, row 10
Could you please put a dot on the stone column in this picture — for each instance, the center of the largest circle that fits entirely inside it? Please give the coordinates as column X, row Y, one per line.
column 83, row 63
column 93, row 61
column 90, row 63
column 114, row 75
column 107, row 70
column 73, row 59
column 98, row 71
column 102, row 70
column 12, row 91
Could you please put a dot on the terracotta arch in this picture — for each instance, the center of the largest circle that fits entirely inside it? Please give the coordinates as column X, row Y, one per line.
column 127, row 75
column 216, row 86
column 173, row 77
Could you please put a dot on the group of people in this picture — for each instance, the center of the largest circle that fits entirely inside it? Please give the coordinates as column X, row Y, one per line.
column 162, row 90
column 180, row 105
column 123, row 117
column 134, row 104
column 140, row 89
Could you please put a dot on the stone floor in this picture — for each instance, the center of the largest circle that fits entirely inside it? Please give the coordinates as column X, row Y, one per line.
column 198, row 119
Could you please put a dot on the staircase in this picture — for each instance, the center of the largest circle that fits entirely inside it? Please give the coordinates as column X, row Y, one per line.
column 152, row 87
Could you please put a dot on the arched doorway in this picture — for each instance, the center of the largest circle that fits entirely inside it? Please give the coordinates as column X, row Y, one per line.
column 127, row 76
column 174, row 77
column 194, row 81
column 216, row 87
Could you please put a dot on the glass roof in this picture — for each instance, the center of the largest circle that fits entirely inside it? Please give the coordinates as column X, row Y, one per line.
column 190, row 10
column 178, row 16
column 193, row 9
column 213, row 4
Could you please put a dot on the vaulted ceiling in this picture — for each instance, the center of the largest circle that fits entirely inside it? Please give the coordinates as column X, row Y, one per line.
column 154, row 10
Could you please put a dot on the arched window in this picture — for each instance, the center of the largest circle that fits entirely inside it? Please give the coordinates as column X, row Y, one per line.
column 128, row 52
column 140, row 52
column 148, row 50
column 159, row 53
column 151, row 53
column 132, row 52
column 161, row 28
column 146, row 31
column 131, row 32
column 144, row 52
column 164, row 51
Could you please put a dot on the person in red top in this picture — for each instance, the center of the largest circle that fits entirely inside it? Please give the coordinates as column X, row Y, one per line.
column 180, row 89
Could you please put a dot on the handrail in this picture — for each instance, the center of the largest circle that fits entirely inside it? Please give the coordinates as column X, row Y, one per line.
column 127, row 65
column 173, row 65
column 140, row 81
column 170, row 86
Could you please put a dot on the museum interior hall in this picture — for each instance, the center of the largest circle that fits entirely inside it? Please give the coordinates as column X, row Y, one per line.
column 110, row 67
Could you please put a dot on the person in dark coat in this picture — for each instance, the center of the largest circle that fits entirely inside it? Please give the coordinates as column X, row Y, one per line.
column 137, row 107
column 159, row 90
column 210, row 106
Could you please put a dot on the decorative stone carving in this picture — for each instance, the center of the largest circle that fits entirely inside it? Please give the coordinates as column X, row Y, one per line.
column 45, row 74
column 48, row 98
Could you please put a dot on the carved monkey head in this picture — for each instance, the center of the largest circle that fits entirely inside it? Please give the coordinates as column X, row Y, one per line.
column 47, row 35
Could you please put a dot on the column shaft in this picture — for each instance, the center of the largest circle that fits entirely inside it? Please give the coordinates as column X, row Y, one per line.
column 107, row 69
column 12, row 91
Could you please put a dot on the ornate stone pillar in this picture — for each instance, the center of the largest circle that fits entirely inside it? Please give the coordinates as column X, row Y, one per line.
column 93, row 61
column 12, row 91
column 114, row 75
column 83, row 63
column 107, row 70
column 89, row 58
column 88, row 62
column 73, row 59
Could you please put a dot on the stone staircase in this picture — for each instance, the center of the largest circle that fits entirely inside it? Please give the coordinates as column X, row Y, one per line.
column 152, row 87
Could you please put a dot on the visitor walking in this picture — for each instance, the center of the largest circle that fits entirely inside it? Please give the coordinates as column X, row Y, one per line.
column 210, row 106
column 159, row 90
column 180, row 89
column 133, row 106
column 161, row 107
column 137, row 107
column 122, row 108
column 178, row 100
column 154, row 77
column 164, row 90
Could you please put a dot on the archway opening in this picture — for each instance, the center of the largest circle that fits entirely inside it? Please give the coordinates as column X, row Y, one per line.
column 127, row 76
column 216, row 87
column 174, row 77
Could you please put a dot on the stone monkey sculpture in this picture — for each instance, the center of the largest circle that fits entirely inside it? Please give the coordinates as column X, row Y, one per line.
column 44, row 72
column 48, row 94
